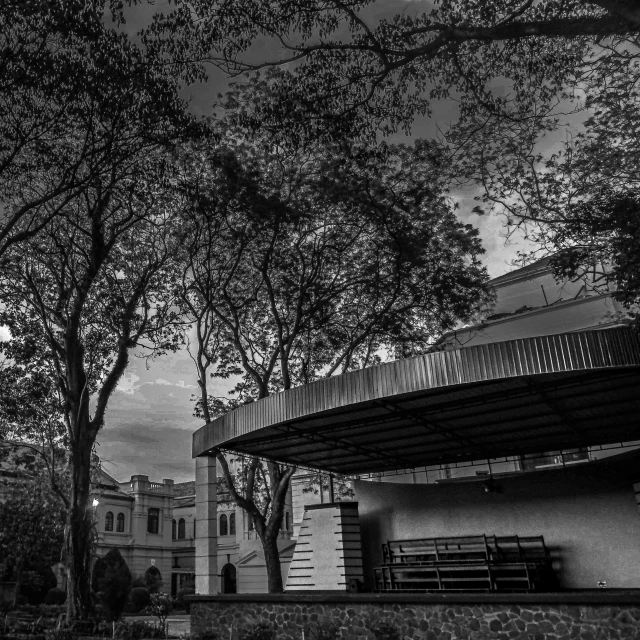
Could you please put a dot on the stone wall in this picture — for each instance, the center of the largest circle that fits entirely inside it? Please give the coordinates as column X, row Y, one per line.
column 461, row 617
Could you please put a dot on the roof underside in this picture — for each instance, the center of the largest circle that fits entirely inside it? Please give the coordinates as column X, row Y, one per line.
column 510, row 398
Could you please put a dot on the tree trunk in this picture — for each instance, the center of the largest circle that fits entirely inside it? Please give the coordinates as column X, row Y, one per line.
column 79, row 542
column 272, row 561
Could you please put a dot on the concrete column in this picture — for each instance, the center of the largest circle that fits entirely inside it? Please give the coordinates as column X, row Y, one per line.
column 207, row 579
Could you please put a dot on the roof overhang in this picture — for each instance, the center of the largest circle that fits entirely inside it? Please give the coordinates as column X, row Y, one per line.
column 502, row 399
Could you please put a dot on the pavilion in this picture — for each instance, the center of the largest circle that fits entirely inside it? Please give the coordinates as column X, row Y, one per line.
column 554, row 392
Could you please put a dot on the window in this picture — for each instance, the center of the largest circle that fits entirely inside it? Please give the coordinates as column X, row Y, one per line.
column 108, row 521
column 286, row 521
column 194, row 527
column 223, row 525
column 173, row 529
column 181, row 529
column 120, row 523
column 153, row 520
column 532, row 461
column 232, row 524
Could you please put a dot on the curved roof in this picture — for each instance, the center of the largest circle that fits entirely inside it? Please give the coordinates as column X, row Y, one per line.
column 488, row 401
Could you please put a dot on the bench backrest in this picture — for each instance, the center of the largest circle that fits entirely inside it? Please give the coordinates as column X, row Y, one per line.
column 453, row 549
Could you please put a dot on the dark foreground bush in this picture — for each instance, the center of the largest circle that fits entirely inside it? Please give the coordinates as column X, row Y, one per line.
column 55, row 596
column 181, row 602
column 209, row 634
column 139, row 598
column 137, row 630
column 260, row 631
column 36, row 583
column 113, row 585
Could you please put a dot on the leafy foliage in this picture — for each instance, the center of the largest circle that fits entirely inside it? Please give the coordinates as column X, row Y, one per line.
column 113, row 585
column 577, row 198
column 37, row 581
column 137, row 630
column 55, row 596
column 352, row 68
column 32, row 519
column 161, row 607
column 307, row 260
column 140, row 597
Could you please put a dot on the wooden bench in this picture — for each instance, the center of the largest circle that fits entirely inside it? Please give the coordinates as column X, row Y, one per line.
column 488, row 563
column 437, row 550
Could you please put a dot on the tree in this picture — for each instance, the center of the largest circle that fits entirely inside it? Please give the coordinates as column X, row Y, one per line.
column 390, row 70
column 96, row 284
column 310, row 260
column 64, row 74
column 89, row 246
column 578, row 199
column 32, row 519
column 113, row 585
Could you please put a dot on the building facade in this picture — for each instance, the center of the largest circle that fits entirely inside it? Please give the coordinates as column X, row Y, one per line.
column 153, row 524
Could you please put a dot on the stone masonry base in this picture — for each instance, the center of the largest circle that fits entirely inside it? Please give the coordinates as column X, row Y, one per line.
column 590, row 616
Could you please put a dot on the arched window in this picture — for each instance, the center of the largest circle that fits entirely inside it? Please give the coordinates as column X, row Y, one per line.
column 223, row 525
column 181, row 529
column 108, row 521
column 194, row 527
column 250, row 519
column 232, row 524
column 120, row 523
column 286, row 521
column 173, row 529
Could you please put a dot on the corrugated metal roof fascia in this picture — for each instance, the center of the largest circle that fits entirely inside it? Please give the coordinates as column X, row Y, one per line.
column 539, row 355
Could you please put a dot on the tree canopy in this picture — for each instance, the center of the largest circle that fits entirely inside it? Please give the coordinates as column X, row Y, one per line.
column 32, row 515
column 515, row 73
column 87, row 242
column 394, row 67
column 307, row 260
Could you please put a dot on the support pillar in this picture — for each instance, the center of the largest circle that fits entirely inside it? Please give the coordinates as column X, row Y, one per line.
column 207, row 579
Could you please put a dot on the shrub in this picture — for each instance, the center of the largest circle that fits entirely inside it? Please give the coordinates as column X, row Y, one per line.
column 139, row 598
column 138, row 581
column 260, row 631
column 55, row 596
column 36, row 583
column 153, row 579
column 58, row 634
column 181, row 602
column 97, row 573
column 114, row 585
column 137, row 630
column 160, row 607
column 208, row 634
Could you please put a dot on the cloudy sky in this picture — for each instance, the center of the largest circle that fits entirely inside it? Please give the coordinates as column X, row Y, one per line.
column 149, row 421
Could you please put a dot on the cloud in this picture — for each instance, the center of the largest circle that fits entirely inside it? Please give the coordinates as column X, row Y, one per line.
column 127, row 383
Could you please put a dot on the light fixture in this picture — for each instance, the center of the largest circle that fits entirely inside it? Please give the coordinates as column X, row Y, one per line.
column 95, row 503
column 489, row 486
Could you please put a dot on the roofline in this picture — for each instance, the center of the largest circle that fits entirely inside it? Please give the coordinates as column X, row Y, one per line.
column 566, row 352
